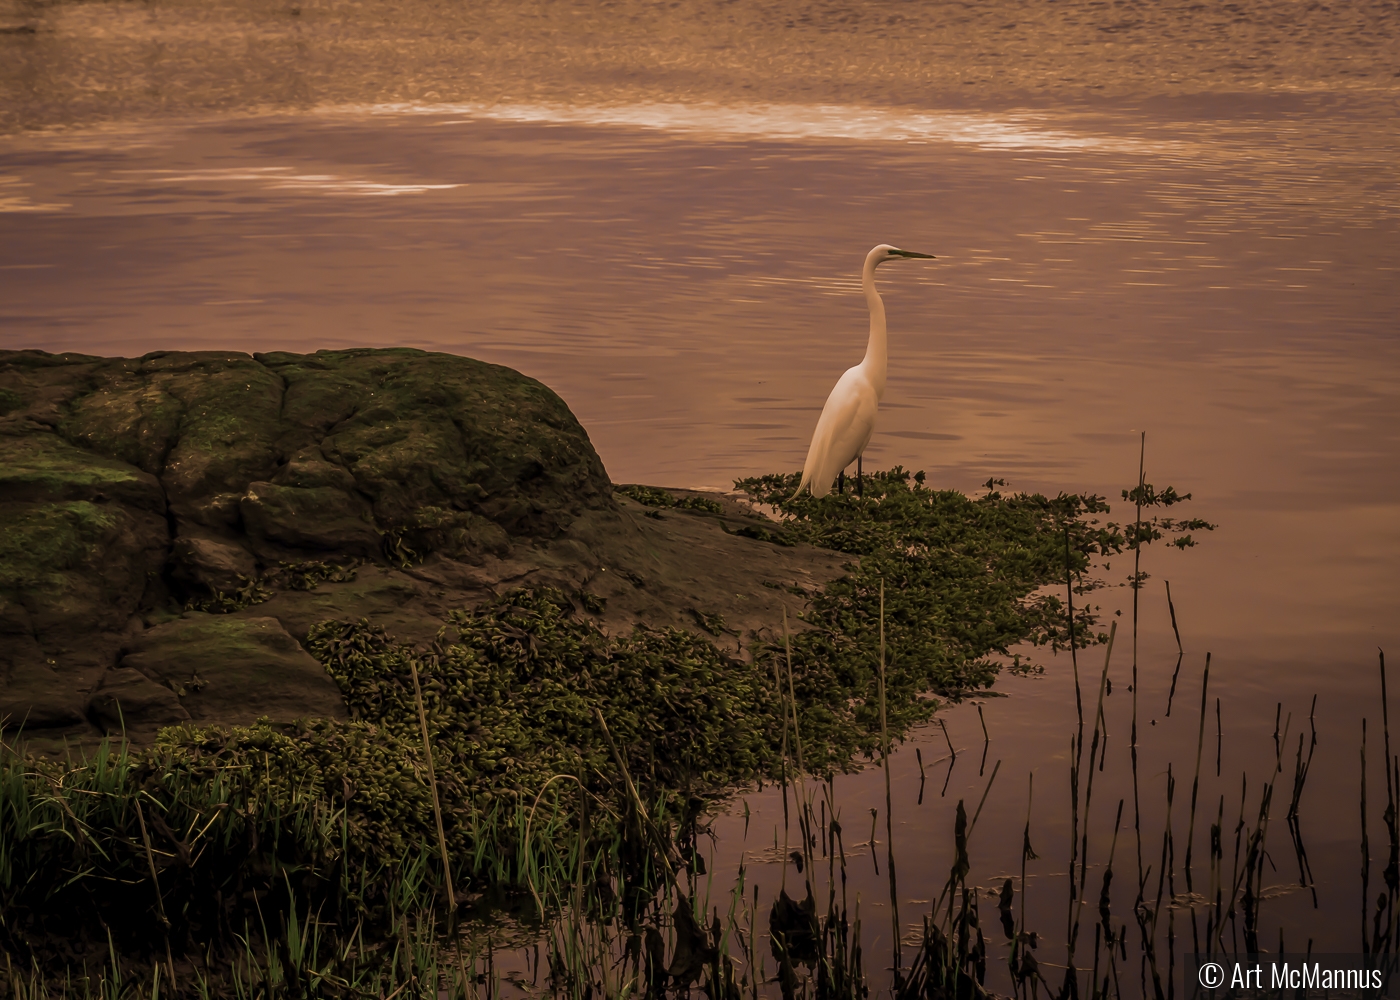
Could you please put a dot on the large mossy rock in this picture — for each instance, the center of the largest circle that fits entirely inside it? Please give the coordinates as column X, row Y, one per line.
column 129, row 487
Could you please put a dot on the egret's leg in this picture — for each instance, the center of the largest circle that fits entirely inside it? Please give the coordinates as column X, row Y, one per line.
column 841, row 482
column 860, row 480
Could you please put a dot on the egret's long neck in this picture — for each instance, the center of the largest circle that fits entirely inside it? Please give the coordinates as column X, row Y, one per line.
column 876, row 357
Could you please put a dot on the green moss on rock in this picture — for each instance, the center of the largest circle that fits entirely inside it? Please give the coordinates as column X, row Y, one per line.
column 189, row 477
column 43, row 467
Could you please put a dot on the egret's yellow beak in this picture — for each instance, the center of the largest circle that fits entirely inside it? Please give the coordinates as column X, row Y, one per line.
column 912, row 255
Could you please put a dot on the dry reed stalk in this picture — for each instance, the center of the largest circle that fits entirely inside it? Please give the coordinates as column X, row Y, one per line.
column 1075, row 746
column 663, row 849
column 1219, row 737
column 1137, row 574
column 437, row 819
column 1180, row 653
column 792, row 707
column 986, row 741
column 1073, row 653
column 1300, row 777
column 889, row 810
column 1392, row 792
column 803, row 803
column 983, row 800
column 1079, row 848
column 1365, row 844
column 1100, row 726
column 966, row 838
column 1018, row 963
column 783, row 745
column 1137, row 589
column 1196, row 778
column 951, row 752
column 155, row 881
column 1103, row 932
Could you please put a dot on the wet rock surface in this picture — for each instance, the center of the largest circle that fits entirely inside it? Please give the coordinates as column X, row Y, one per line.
column 175, row 524
column 233, row 669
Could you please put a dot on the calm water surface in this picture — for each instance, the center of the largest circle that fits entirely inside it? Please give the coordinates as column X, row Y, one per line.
column 1147, row 219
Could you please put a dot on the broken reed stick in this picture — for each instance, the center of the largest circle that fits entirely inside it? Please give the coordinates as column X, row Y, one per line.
column 1180, row 653
column 951, row 752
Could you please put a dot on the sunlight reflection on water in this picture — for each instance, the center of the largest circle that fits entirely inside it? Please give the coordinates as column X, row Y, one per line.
column 1014, row 131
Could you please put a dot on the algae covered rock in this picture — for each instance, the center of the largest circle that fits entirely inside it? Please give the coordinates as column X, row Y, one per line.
column 83, row 536
column 131, row 487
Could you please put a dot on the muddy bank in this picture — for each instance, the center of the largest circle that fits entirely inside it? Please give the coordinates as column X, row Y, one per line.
column 179, row 522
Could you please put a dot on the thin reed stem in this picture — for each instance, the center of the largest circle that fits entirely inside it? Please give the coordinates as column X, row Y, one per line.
column 155, row 883
column 437, row 819
column 1196, row 777
column 1180, row 653
column 889, row 809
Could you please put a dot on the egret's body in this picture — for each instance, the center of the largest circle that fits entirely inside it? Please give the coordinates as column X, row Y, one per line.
column 848, row 418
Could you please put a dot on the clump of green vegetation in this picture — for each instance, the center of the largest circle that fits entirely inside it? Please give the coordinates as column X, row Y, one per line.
column 226, row 602
column 962, row 578
column 510, row 690
column 712, row 623
column 651, row 496
column 10, row 401
column 306, row 575
column 398, row 551
column 1145, row 531
column 700, row 503
column 454, row 533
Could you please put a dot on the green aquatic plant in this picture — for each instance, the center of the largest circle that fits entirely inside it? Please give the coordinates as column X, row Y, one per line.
column 651, row 496
column 510, row 688
column 963, row 578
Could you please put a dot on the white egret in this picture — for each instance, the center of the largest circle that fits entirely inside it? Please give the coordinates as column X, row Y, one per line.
column 848, row 418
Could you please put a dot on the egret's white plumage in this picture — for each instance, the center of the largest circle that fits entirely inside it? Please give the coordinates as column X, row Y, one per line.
column 848, row 418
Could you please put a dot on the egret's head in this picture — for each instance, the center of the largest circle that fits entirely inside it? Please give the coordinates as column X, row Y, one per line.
column 886, row 252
